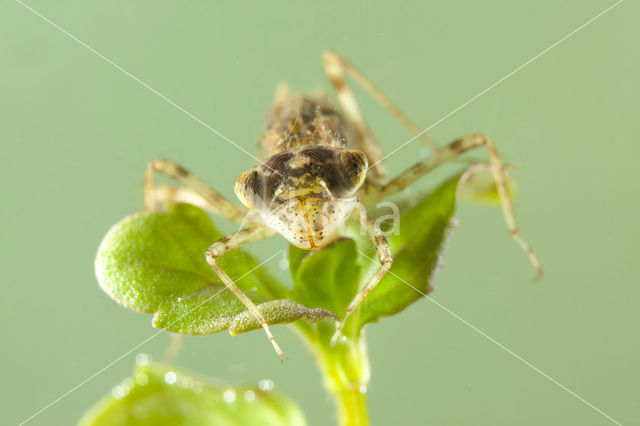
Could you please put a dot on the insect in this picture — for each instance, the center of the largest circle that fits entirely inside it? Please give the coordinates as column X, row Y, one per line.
column 319, row 168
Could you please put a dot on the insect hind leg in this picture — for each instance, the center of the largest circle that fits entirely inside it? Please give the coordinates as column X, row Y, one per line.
column 451, row 152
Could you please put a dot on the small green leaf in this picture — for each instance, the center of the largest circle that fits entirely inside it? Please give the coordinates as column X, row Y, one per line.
column 149, row 257
column 417, row 253
column 215, row 308
column 155, row 263
column 161, row 395
column 328, row 278
column 479, row 186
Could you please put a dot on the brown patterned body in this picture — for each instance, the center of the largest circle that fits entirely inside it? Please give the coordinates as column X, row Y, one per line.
column 306, row 186
column 303, row 121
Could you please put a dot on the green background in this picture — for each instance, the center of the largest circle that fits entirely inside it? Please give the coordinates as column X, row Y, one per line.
column 76, row 134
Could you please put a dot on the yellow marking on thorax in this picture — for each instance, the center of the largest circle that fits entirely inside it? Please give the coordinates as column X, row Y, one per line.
column 299, row 162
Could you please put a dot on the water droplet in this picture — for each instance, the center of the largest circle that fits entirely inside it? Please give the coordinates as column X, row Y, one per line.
column 265, row 385
column 283, row 264
column 127, row 384
column 119, row 392
column 170, row 377
column 363, row 389
column 143, row 359
column 249, row 395
column 196, row 387
column 229, row 396
column 142, row 379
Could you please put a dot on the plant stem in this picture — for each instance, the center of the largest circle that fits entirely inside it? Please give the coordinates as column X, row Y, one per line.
column 348, row 389
column 345, row 370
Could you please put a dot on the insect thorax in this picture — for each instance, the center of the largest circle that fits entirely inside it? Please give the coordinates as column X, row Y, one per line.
column 302, row 121
column 307, row 185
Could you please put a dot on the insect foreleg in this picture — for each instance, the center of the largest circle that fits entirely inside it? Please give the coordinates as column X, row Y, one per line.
column 384, row 254
column 231, row 242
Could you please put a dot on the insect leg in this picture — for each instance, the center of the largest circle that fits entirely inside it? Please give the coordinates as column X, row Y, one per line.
column 379, row 96
column 177, row 340
column 231, row 242
column 206, row 195
column 384, row 254
column 165, row 194
column 335, row 69
column 452, row 151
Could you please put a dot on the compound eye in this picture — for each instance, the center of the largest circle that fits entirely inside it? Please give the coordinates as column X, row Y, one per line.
column 248, row 188
column 353, row 165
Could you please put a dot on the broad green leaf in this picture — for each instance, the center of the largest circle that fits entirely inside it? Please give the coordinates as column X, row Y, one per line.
column 155, row 263
column 417, row 252
column 328, row 278
column 149, row 257
column 331, row 277
column 161, row 395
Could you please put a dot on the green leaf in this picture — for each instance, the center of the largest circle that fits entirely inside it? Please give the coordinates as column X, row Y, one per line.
column 155, row 263
column 149, row 257
column 161, row 395
column 214, row 309
column 417, row 253
column 328, row 278
column 478, row 185
column 296, row 256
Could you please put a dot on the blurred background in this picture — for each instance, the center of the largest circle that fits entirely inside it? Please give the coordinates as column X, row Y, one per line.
column 76, row 134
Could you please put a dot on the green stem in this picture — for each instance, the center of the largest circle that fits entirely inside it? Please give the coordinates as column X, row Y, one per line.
column 345, row 371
